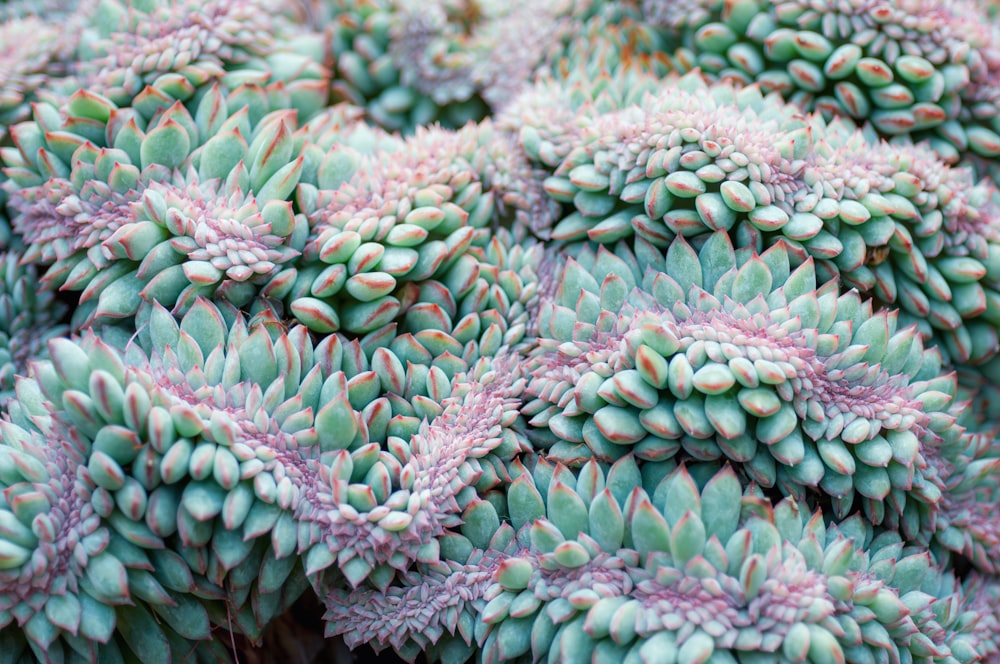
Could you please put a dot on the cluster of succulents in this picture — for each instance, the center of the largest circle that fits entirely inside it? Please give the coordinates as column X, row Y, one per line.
column 639, row 331
column 915, row 70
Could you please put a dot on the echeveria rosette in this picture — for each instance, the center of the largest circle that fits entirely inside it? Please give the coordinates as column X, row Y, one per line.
column 47, row 565
column 609, row 64
column 71, row 580
column 56, row 190
column 901, row 65
column 414, row 63
column 387, row 223
column 657, row 157
column 465, row 446
column 694, row 159
column 368, row 74
column 250, row 434
column 31, row 53
column 550, row 117
column 29, row 318
column 621, row 566
column 191, row 238
column 934, row 255
column 114, row 223
column 279, row 412
column 236, row 456
column 131, row 415
column 725, row 355
column 58, row 130
column 438, row 598
column 981, row 620
column 127, row 48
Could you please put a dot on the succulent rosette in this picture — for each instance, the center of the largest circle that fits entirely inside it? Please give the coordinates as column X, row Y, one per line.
column 549, row 117
column 368, row 75
column 190, row 238
column 913, row 70
column 71, row 580
column 610, row 65
column 903, row 66
column 45, row 169
column 410, row 218
column 893, row 221
column 29, row 318
column 229, row 460
column 142, row 207
column 622, row 566
column 127, row 48
column 414, row 63
column 733, row 356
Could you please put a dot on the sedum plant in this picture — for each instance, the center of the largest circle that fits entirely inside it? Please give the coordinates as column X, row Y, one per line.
column 584, row 331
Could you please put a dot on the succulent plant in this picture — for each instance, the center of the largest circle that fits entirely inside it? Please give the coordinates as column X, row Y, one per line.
column 718, row 158
column 70, row 578
column 28, row 320
column 910, row 69
column 622, row 566
column 450, row 61
column 393, row 223
column 128, row 47
column 538, row 349
column 98, row 207
column 722, row 356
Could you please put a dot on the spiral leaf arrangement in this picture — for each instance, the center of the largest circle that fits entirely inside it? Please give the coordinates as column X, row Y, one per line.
column 660, row 332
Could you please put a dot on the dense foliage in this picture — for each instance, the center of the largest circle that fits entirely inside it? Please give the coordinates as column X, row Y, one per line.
column 640, row 331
